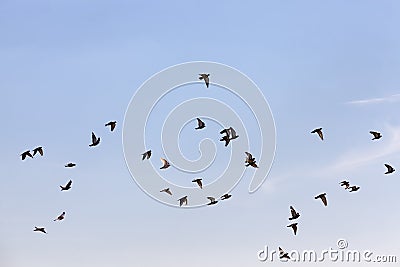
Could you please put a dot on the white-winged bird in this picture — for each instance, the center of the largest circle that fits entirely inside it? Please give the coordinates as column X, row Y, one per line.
column 67, row 186
column 294, row 214
column 205, row 77
column 39, row 150
column 95, row 140
column 323, row 198
column 26, row 154
column 200, row 124
column 112, row 125
column 165, row 164
column 319, row 132
column 376, row 135
column 294, row 227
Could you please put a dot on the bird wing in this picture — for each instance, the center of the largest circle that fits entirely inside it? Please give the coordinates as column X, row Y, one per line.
column 113, row 126
column 211, row 199
column 390, row 168
column 224, row 131
column 200, row 123
column 320, row 134
column 249, row 156
column 69, row 183
column 40, row 150
column 94, row 138
column 200, row 183
column 293, row 211
column 232, row 132
column 324, row 200
column 294, row 226
column 164, row 161
column 207, row 80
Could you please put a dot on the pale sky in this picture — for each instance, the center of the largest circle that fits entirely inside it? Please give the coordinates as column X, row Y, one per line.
column 68, row 67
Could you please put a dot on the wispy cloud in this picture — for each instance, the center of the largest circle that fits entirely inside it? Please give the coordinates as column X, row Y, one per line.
column 391, row 98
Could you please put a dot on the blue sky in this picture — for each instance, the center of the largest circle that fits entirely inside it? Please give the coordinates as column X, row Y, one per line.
column 68, row 67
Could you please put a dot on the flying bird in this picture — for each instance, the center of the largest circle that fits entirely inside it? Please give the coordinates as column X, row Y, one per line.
column 294, row 227
column 95, row 140
column 40, row 229
column 250, row 161
column 26, row 154
column 283, row 254
column 294, row 213
column 198, row 181
column 390, row 169
column 166, row 190
column 200, row 124
column 319, row 132
column 146, row 154
column 323, row 198
column 376, row 135
column 182, row 201
column 165, row 164
column 230, row 134
column 346, row 184
column 226, row 196
column 61, row 217
column 212, row 201
column 205, row 77
column 67, row 186
column 112, row 125
column 39, row 150
column 353, row 188
column 69, row 165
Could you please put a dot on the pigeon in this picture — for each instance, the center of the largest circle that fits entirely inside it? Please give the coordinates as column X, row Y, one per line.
column 323, row 198
column 182, row 201
column 61, row 217
column 67, row 186
column 200, row 124
column 376, row 135
column 40, row 229
column 26, row 154
column 250, row 160
column 226, row 139
column 39, row 150
column 95, row 140
column 212, row 201
column 230, row 134
column 294, row 227
column 69, row 165
column 166, row 190
column 283, row 254
column 390, row 169
column 146, row 154
column 226, row 196
column 346, row 184
column 198, row 181
column 294, row 213
column 112, row 124
column 205, row 77
column 165, row 164
column 353, row 188
column 319, row 132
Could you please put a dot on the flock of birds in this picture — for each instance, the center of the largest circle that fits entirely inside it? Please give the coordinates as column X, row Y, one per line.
column 95, row 142
column 345, row 184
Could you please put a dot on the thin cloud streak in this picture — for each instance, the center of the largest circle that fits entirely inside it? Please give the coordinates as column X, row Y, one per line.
column 392, row 98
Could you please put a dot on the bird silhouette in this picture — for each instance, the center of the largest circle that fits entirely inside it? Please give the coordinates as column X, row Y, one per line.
column 376, row 135
column 182, row 201
column 198, row 181
column 230, row 134
column 39, row 150
column 26, row 154
column 165, row 164
column 146, row 154
column 294, row 214
column 67, row 186
column 206, row 78
column 200, row 124
column 167, row 190
column 323, row 198
column 40, row 229
column 212, row 201
column 95, row 140
column 353, row 188
column 283, row 254
column 294, row 227
column 250, row 161
column 61, row 217
column 112, row 125
column 390, row 169
column 69, row 165
column 319, row 132
column 225, row 196
column 346, row 184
